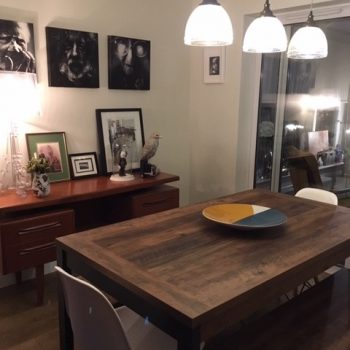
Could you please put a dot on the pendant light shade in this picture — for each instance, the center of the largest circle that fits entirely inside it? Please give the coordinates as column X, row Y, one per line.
column 308, row 42
column 208, row 25
column 265, row 34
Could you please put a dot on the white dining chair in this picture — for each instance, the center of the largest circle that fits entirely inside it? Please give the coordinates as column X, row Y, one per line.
column 318, row 194
column 97, row 325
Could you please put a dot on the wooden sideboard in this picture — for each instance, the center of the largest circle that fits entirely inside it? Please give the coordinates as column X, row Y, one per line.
column 29, row 225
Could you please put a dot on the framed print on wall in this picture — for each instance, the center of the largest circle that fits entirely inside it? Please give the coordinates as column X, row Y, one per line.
column 120, row 127
column 83, row 165
column 17, row 47
column 72, row 58
column 128, row 63
column 53, row 146
column 214, row 64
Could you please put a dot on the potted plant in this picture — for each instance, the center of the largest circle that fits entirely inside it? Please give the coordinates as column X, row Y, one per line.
column 38, row 166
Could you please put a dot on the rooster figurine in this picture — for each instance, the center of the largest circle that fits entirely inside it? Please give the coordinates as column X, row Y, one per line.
column 148, row 151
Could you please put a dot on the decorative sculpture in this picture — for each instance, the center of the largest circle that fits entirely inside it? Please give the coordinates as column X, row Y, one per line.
column 148, row 151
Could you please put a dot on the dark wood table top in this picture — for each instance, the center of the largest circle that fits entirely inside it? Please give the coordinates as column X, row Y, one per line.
column 81, row 189
column 206, row 275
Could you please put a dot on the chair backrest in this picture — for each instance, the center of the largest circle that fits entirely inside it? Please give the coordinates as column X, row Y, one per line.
column 317, row 194
column 304, row 172
column 94, row 321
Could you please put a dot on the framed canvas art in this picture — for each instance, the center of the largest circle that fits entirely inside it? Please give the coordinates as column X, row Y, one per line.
column 72, row 58
column 128, row 63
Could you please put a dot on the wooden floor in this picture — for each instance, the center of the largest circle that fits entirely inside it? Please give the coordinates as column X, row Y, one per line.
column 24, row 326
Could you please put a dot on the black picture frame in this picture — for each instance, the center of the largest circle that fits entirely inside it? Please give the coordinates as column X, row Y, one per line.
column 65, row 69
column 129, row 63
column 124, row 123
column 83, row 165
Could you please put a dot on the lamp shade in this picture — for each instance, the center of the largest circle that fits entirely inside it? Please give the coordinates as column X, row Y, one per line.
column 308, row 42
column 209, row 25
column 265, row 34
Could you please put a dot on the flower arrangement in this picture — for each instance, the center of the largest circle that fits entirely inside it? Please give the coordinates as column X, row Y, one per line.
column 38, row 164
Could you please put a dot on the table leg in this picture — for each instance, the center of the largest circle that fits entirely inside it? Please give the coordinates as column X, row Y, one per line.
column 65, row 329
column 39, row 276
column 189, row 342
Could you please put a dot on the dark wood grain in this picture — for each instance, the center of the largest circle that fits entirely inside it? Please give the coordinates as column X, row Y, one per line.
column 79, row 190
column 186, row 273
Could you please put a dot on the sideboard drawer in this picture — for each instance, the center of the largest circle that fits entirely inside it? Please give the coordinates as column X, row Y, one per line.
column 25, row 241
column 148, row 202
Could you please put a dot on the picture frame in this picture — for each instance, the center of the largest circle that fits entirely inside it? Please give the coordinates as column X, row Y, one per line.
column 72, row 58
column 214, row 65
column 129, row 63
column 122, row 126
column 53, row 146
column 83, row 165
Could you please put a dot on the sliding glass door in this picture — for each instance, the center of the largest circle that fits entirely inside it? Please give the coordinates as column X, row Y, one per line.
column 303, row 111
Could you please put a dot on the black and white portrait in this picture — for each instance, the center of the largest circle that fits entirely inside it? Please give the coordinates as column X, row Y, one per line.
column 17, row 47
column 214, row 65
column 128, row 63
column 72, row 58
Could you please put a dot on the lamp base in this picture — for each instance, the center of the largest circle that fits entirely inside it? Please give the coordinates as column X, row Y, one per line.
column 117, row 177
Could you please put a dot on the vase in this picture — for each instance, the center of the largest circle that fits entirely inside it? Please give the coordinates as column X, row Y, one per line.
column 41, row 184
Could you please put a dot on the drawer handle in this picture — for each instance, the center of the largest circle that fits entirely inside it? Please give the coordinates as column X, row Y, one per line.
column 38, row 248
column 29, row 230
column 151, row 204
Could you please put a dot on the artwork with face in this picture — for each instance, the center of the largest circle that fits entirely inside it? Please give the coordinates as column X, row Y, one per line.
column 72, row 58
column 128, row 63
column 17, row 47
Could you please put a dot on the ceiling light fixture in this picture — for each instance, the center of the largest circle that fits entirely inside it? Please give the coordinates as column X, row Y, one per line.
column 209, row 25
column 265, row 34
column 308, row 42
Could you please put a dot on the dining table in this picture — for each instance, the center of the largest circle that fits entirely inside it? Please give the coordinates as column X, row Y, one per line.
column 194, row 277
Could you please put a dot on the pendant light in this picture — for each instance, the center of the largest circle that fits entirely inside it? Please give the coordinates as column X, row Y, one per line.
column 209, row 25
column 308, row 42
column 265, row 34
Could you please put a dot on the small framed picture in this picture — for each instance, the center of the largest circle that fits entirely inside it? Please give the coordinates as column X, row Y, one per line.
column 118, row 128
column 72, row 58
column 83, row 165
column 53, row 146
column 214, row 64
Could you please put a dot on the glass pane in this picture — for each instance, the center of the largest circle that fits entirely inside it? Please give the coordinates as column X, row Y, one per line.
column 266, row 120
column 316, row 117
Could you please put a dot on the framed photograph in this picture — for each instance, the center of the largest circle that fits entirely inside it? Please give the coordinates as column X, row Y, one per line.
column 17, row 47
column 53, row 146
column 118, row 127
column 214, row 64
column 83, row 165
column 128, row 63
column 72, row 58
